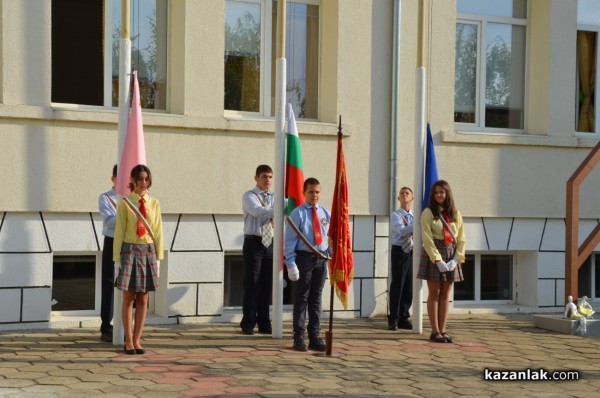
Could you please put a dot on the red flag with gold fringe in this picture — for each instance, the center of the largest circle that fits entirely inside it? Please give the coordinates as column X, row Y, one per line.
column 341, row 267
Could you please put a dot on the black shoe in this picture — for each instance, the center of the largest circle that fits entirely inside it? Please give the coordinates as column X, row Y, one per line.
column 268, row 330
column 299, row 344
column 129, row 352
column 248, row 331
column 406, row 324
column 391, row 326
column 106, row 337
column 316, row 344
column 448, row 338
column 140, row 351
column 437, row 338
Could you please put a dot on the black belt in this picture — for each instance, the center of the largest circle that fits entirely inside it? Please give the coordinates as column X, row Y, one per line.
column 306, row 253
column 252, row 237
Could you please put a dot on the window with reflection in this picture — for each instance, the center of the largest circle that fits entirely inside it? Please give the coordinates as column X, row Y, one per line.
column 588, row 58
column 588, row 277
column 250, row 58
column 85, row 51
column 488, row 277
column 148, row 50
column 490, row 64
column 74, row 283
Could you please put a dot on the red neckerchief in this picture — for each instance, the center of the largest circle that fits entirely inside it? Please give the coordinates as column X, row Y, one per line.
column 447, row 234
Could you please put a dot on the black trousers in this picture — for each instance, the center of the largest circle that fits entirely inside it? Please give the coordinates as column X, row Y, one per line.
column 108, row 283
column 309, row 291
column 258, row 283
column 401, row 286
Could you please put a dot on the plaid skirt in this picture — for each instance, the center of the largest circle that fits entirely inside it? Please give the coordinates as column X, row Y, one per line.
column 138, row 268
column 429, row 271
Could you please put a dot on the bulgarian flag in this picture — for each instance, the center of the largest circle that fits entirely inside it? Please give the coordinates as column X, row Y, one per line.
column 341, row 266
column 294, row 176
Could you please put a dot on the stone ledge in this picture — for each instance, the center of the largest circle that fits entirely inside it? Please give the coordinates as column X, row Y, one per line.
column 558, row 323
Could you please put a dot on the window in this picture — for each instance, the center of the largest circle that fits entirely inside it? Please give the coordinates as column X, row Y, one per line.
column 250, row 43
column 588, row 57
column 488, row 277
column 490, row 64
column 74, row 283
column 588, row 277
column 85, row 55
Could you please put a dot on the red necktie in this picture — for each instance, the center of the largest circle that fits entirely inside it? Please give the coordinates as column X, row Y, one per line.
column 316, row 227
column 447, row 235
column 141, row 228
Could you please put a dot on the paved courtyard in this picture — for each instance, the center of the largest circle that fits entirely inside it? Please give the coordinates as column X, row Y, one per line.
column 368, row 360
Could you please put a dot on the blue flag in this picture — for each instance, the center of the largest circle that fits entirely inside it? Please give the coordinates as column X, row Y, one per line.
column 431, row 174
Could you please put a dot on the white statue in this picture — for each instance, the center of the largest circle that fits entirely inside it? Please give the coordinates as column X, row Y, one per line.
column 580, row 314
column 585, row 309
column 571, row 309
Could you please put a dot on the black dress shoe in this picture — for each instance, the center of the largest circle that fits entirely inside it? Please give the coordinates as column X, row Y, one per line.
column 316, row 344
column 448, row 338
column 265, row 330
column 106, row 337
column 299, row 344
column 437, row 338
column 140, row 351
column 129, row 352
column 405, row 325
column 392, row 327
column 248, row 331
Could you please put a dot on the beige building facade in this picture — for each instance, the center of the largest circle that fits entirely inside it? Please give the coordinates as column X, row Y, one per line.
column 507, row 140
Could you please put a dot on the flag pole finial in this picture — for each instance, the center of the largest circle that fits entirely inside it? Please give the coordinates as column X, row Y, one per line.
column 340, row 128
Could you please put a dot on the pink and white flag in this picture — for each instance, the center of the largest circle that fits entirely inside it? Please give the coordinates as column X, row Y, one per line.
column 134, row 149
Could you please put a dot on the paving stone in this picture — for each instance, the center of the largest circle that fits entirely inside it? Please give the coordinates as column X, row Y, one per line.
column 368, row 361
column 16, row 383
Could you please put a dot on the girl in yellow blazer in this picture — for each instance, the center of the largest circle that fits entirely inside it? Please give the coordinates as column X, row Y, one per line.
column 443, row 253
column 137, row 250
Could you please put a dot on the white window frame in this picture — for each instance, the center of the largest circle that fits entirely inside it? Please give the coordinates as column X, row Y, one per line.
column 266, row 52
column 482, row 21
column 477, row 282
column 97, row 284
column 596, row 132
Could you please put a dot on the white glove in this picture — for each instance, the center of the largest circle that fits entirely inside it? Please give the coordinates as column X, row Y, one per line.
column 293, row 272
column 158, row 268
column 452, row 265
column 117, row 268
column 442, row 266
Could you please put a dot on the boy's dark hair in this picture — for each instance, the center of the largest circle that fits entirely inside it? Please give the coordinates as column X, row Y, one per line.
column 263, row 168
column 310, row 181
column 115, row 171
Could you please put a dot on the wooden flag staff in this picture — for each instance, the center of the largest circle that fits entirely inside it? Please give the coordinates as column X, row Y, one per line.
column 329, row 333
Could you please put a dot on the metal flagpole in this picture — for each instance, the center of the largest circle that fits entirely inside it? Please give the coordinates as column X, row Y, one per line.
column 124, row 78
column 419, row 171
column 277, row 302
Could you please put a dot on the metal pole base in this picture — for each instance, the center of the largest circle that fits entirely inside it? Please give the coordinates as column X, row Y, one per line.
column 328, row 343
